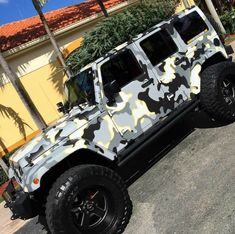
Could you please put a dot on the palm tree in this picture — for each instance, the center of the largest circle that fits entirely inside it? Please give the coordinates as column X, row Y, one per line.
column 37, row 6
column 19, row 122
column 102, row 7
column 4, row 166
column 186, row 3
column 24, row 96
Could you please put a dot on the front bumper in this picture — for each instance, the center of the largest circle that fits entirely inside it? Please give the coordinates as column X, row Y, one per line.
column 19, row 202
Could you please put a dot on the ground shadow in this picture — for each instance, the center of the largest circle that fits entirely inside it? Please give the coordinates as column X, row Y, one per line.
column 8, row 112
column 200, row 119
column 167, row 141
column 57, row 77
column 34, row 226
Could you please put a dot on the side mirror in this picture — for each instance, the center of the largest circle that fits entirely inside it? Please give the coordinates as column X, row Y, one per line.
column 60, row 107
column 111, row 89
column 114, row 87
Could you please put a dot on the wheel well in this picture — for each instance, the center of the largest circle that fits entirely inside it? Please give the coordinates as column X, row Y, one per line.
column 79, row 157
column 216, row 58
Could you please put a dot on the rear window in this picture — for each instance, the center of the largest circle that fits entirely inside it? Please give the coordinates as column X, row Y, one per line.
column 159, row 46
column 190, row 26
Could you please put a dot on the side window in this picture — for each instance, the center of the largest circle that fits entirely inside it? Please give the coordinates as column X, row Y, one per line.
column 190, row 26
column 158, row 46
column 123, row 68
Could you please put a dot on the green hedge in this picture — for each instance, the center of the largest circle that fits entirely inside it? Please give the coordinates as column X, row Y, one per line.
column 228, row 20
column 3, row 177
column 115, row 30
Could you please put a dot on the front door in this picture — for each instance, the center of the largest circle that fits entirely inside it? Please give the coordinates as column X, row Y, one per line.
column 135, row 108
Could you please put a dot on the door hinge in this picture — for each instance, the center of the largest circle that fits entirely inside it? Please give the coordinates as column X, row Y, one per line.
column 170, row 96
column 126, row 134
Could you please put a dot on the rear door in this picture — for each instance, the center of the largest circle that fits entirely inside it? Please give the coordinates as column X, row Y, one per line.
column 161, row 53
column 198, row 43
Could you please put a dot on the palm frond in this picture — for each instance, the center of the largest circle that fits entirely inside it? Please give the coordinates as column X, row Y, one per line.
column 8, row 112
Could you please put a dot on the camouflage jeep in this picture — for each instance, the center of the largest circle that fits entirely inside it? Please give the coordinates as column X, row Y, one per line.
column 69, row 173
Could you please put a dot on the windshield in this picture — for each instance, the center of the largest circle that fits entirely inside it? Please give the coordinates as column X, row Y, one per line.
column 80, row 88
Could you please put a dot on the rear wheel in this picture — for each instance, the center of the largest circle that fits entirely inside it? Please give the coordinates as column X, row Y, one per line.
column 88, row 199
column 218, row 91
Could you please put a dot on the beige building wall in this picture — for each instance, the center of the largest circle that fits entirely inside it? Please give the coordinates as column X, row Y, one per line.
column 42, row 76
column 36, row 64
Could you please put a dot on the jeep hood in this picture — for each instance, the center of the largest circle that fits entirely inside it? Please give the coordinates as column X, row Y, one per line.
column 52, row 135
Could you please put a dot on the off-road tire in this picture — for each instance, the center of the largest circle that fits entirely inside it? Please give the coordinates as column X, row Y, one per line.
column 75, row 180
column 212, row 96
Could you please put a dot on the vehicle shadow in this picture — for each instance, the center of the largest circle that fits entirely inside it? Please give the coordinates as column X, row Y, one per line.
column 163, row 144
column 37, row 225
column 200, row 119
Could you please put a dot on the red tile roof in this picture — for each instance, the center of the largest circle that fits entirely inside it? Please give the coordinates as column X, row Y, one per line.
column 20, row 32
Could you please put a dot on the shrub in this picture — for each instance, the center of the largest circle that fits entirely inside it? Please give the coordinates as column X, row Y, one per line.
column 228, row 20
column 117, row 29
column 3, row 177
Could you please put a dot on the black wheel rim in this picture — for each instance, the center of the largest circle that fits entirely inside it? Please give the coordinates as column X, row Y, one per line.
column 228, row 91
column 92, row 210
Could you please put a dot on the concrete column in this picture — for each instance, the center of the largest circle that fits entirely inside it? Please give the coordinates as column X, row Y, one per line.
column 4, row 166
column 215, row 15
column 186, row 3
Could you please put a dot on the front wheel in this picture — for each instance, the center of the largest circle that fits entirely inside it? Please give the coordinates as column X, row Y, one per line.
column 88, row 199
column 218, row 91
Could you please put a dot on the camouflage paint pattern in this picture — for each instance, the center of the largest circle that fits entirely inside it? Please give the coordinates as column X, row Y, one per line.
column 139, row 105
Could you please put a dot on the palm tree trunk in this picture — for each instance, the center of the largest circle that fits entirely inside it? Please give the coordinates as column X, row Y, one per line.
column 51, row 36
column 186, row 3
column 4, row 166
column 102, row 7
column 218, row 5
column 24, row 96
column 214, row 14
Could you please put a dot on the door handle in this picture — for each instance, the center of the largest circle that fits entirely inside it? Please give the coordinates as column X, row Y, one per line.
column 170, row 96
column 179, row 61
column 146, row 84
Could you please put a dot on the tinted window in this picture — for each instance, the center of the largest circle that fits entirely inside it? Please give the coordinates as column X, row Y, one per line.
column 123, row 68
column 80, row 88
column 190, row 26
column 158, row 46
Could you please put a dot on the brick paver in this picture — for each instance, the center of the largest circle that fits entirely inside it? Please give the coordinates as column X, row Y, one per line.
column 7, row 226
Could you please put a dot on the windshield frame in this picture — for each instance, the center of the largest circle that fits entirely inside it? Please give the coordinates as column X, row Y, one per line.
column 80, row 94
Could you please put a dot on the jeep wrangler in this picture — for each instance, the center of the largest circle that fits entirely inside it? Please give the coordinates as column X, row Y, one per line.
column 70, row 173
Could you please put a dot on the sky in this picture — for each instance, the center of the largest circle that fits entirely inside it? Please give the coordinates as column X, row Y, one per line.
column 13, row 10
